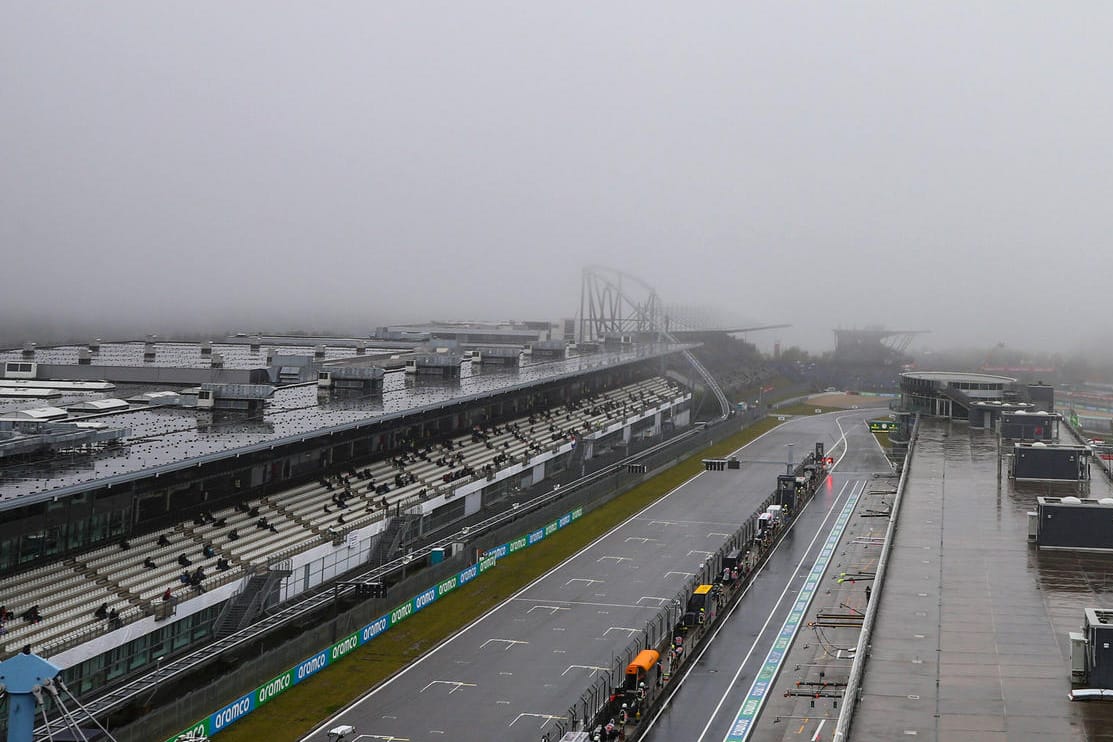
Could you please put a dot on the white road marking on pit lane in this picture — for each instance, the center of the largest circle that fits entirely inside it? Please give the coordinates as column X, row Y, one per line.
column 594, row 669
column 507, row 643
column 545, row 719
column 550, row 608
column 588, row 603
column 581, row 579
column 456, row 685
column 627, row 629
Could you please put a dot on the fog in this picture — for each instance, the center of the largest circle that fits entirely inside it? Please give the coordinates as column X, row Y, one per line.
column 936, row 166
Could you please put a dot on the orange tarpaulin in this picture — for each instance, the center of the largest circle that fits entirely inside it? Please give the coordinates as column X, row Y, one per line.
column 645, row 660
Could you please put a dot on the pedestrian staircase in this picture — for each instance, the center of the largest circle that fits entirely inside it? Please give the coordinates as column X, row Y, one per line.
column 244, row 607
column 390, row 540
column 958, row 397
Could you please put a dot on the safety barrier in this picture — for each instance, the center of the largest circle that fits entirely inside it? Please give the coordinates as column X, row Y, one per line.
column 1081, row 437
column 245, row 704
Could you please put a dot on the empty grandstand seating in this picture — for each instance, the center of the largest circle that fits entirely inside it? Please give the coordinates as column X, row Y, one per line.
column 67, row 592
column 66, row 599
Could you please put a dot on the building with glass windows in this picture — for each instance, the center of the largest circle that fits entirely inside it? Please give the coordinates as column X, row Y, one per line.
column 980, row 399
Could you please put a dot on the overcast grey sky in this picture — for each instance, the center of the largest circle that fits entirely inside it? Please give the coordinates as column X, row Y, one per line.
column 944, row 166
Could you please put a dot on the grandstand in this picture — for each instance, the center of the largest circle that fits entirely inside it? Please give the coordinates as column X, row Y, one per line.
column 875, row 346
column 189, row 516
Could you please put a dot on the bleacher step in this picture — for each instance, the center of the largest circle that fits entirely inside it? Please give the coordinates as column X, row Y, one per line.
column 296, row 518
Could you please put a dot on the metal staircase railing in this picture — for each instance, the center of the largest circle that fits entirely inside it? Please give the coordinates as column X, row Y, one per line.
column 709, row 380
column 957, row 395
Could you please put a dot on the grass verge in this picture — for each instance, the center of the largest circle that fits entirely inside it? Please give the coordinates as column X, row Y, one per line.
column 291, row 715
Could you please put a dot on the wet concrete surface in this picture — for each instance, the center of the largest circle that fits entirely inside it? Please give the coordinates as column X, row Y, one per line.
column 971, row 635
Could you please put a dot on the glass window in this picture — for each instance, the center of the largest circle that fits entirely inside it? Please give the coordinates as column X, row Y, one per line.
column 139, row 653
column 179, row 637
column 117, row 665
column 201, row 628
column 152, row 506
column 157, row 643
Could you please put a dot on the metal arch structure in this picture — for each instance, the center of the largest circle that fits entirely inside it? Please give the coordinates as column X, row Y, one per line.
column 616, row 303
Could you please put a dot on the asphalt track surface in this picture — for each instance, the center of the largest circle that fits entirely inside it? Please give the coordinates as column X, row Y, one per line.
column 707, row 700
column 511, row 673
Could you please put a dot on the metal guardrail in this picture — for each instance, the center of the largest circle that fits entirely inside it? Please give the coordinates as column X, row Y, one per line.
column 1081, row 437
column 300, row 607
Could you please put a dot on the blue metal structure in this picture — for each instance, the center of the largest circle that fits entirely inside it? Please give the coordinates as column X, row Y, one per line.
column 23, row 677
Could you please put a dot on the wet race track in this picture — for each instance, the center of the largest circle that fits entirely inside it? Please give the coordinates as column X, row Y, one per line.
column 514, row 672
column 712, row 692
